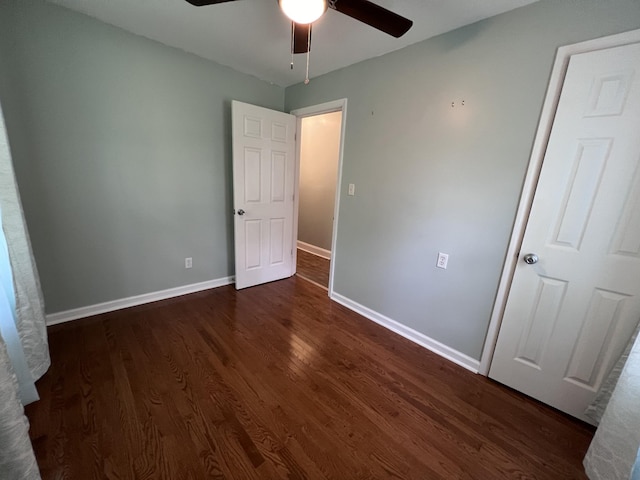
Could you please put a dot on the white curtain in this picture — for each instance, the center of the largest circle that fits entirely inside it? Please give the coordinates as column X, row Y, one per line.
column 9, row 326
column 17, row 461
column 29, row 305
column 614, row 448
column 24, row 352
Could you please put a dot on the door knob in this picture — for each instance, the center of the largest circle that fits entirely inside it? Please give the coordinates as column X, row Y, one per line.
column 530, row 258
column 241, row 212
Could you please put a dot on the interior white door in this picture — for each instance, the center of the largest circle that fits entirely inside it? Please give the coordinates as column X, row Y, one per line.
column 569, row 316
column 263, row 189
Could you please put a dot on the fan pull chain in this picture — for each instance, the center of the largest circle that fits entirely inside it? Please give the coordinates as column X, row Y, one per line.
column 306, row 79
column 293, row 33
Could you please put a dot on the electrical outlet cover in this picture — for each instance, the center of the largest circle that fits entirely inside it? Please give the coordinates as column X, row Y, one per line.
column 443, row 259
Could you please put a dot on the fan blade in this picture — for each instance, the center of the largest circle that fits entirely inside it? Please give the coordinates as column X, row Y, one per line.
column 203, row 3
column 300, row 37
column 373, row 15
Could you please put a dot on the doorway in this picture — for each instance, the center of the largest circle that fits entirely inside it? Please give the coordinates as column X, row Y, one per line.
column 319, row 155
column 320, row 144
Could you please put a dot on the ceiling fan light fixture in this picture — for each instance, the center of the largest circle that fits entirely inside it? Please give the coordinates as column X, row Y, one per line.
column 303, row 11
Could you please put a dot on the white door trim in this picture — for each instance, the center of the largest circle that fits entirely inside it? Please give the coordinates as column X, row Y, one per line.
column 328, row 107
column 531, row 179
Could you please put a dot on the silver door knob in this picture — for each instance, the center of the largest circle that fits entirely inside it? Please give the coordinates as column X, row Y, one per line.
column 241, row 212
column 530, row 258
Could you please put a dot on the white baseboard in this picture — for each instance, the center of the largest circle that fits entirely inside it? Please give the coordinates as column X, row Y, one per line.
column 410, row 334
column 82, row 312
column 407, row 332
column 321, row 252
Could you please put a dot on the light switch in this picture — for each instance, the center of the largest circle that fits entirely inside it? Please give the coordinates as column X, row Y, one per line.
column 352, row 189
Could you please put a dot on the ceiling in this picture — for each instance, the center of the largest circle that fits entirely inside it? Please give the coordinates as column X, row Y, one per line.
column 253, row 36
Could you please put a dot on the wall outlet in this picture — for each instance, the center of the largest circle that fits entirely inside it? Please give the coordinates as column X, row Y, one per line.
column 188, row 263
column 443, row 259
column 352, row 189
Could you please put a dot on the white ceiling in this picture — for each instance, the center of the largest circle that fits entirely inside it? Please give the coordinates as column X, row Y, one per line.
column 253, row 36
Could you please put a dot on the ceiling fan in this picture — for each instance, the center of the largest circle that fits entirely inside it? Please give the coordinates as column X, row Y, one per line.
column 304, row 12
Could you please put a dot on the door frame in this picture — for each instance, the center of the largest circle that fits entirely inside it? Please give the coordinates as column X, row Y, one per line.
column 533, row 172
column 300, row 113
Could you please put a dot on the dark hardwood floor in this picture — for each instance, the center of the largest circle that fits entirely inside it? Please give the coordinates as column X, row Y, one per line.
column 277, row 381
column 312, row 267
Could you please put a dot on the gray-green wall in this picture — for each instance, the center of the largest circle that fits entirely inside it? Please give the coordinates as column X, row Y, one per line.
column 122, row 153
column 432, row 178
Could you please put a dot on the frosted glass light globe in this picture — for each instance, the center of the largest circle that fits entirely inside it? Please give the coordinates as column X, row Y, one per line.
column 303, row 11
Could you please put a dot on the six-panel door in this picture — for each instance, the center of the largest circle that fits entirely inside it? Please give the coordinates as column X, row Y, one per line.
column 263, row 188
column 569, row 316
